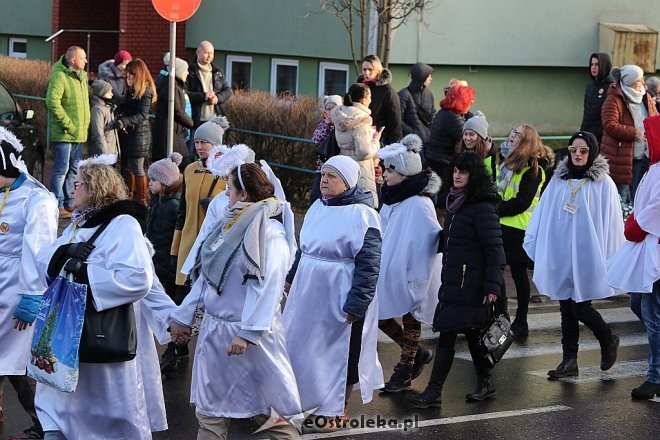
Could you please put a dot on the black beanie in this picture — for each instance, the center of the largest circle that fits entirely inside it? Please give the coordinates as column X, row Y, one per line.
column 594, row 150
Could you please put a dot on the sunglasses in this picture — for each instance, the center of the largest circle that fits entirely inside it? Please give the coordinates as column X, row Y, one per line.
column 582, row 150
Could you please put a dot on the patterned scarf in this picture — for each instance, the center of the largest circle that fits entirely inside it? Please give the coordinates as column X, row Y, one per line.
column 79, row 218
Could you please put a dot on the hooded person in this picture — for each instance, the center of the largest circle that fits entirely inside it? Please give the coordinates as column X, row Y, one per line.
column 417, row 102
column 102, row 138
column 624, row 144
column 28, row 222
column 581, row 204
column 410, row 265
column 636, row 266
column 600, row 65
column 113, row 71
column 330, row 317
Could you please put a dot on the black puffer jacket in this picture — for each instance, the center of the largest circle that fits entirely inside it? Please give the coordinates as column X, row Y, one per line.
column 594, row 96
column 446, row 132
column 417, row 103
column 472, row 265
column 182, row 122
column 135, row 137
column 385, row 107
column 196, row 90
column 160, row 231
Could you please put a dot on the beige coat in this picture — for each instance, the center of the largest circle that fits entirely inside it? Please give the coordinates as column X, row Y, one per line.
column 354, row 133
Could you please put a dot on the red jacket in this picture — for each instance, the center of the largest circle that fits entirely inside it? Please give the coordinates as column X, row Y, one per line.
column 619, row 133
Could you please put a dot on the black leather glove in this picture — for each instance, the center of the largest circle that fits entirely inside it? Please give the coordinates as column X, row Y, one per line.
column 78, row 269
column 79, row 250
column 174, row 260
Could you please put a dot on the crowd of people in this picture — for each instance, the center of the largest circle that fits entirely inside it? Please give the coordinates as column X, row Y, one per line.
column 413, row 218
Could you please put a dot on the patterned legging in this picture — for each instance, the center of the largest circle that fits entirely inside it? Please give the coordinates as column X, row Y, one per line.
column 407, row 336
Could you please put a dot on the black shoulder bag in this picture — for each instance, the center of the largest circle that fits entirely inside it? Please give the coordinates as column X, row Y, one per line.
column 328, row 147
column 108, row 336
column 495, row 338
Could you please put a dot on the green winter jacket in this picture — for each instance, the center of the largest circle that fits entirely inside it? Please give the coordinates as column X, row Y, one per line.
column 67, row 100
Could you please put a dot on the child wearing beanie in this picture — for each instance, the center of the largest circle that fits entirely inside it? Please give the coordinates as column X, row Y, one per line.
column 102, row 137
column 475, row 138
column 165, row 181
column 410, row 265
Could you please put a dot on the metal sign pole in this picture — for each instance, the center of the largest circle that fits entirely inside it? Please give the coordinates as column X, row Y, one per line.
column 170, row 99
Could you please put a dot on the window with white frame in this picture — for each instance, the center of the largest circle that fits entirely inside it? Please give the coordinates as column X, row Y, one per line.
column 333, row 79
column 17, row 48
column 284, row 77
column 239, row 72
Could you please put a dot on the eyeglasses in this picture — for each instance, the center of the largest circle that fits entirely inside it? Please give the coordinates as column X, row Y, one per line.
column 582, row 150
column 76, row 185
column 516, row 133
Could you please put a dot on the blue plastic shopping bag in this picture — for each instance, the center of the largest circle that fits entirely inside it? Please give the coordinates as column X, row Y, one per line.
column 58, row 326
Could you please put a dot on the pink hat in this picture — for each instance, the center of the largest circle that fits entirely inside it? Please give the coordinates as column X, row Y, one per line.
column 122, row 56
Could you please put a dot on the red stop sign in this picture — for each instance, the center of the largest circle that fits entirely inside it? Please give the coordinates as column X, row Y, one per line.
column 176, row 10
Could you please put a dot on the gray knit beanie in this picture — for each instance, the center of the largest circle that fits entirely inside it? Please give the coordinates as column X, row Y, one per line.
column 100, row 88
column 403, row 157
column 181, row 68
column 478, row 124
column 166, row 171
column 212, row 130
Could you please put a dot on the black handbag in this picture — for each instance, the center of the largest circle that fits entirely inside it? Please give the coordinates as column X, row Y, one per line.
column 328, row 147
column 495, row 338
column 110, row 335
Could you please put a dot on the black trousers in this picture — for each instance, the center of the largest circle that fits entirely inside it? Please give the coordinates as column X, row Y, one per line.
column 447, row 340
column 355, row 347
column 572, row 313
column 25, row 392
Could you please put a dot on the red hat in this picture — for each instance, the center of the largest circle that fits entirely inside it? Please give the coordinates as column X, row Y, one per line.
column 122, row 56
column 652, row 129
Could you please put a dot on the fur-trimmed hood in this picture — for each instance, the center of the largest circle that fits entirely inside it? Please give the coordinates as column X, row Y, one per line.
column 433, row 187
column 347, row 118
column 123, row 207
column 385, row 78
column 597, row 171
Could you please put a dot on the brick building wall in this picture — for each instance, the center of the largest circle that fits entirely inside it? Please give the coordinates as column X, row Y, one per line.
column 146, row 34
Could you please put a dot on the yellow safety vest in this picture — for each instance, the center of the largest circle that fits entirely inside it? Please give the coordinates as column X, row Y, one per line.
column 488, row 163
column 520, row 221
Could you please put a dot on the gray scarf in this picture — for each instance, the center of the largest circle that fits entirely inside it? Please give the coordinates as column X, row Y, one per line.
column 633, row 95
column 242, row 229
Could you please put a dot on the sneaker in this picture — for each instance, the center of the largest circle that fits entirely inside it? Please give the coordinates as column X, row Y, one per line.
column 64, row 214
column 30, row 433
column 400, row 380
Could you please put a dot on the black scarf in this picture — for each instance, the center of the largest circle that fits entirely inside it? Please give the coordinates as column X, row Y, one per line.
column 412, row 186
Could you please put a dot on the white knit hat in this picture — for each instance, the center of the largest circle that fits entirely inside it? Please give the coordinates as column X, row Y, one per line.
column 181, row 68
column 347, row 168
column 403, row 157
column 212, row 130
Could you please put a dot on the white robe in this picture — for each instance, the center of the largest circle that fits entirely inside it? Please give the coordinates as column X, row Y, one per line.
column 410, row 265
column 109, row 401
column 30, row 213
column 317, row 333
column 570, row 250
column 637, row 265
column 250, row 384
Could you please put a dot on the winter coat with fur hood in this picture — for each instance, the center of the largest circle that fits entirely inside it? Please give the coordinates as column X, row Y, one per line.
column 619, row 133
column 355, row 140
column 385, row 107
column 417, row 103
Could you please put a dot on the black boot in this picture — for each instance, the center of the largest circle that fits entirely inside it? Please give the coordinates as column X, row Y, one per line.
column 568, row 367
column 400, row 380
column 608, row 353
column 432, row 395
column 485, row 386
column 520, row 328
column 422, row 357
column 647, row 390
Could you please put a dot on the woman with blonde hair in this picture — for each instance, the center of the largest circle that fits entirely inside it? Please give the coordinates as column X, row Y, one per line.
column 134, row 128
column 385, row 104
column 520, row 178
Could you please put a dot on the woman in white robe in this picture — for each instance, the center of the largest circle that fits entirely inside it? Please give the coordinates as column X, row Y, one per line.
column 241, row 367
column 636, row 266
column 331, row 313
column 109, row 401
column 575, row 228
column 410, row 265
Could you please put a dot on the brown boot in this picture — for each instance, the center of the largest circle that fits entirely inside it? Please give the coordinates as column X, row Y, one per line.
column 130, row 184
column 141, row 188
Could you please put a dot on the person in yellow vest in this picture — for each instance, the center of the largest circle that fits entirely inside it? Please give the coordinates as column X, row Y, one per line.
column 199, row 188
column 475, row 138
column 520, row 178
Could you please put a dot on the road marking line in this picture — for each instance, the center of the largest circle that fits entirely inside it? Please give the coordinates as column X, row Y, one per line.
column 542, row 321
column 443, row 421
column 592, row 373
column 554, row 347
